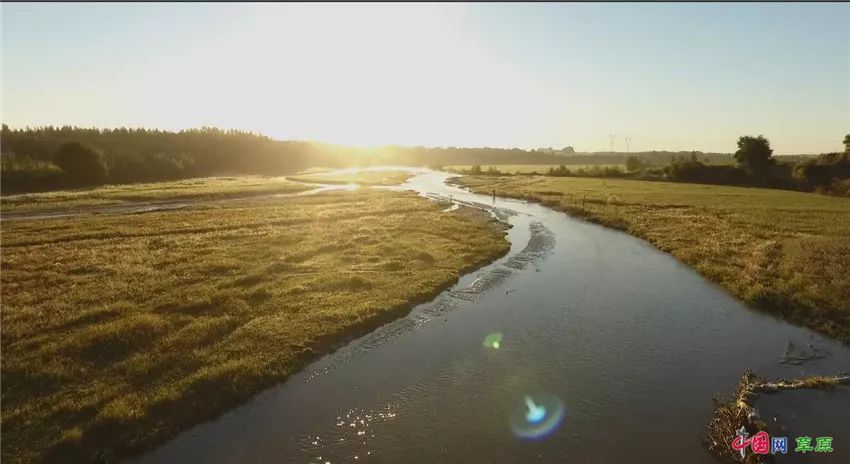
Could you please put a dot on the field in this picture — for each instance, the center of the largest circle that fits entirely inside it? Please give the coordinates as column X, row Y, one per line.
column 538, row 168
column 782, row 251
column 377, row 177
column 190, row 189
column 121, row 330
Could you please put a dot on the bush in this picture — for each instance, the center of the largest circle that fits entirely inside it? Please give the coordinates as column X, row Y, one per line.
column 682, row 170
column 560, row 171
column 822, row 172
column 839, row 188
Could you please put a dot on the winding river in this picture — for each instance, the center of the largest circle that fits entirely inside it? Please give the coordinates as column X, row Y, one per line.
column 623, row 342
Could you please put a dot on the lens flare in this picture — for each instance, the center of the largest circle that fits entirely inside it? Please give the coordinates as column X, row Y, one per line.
column 537, row 416
column 493, row 340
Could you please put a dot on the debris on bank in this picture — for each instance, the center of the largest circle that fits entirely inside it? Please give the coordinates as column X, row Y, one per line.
column 730, row 415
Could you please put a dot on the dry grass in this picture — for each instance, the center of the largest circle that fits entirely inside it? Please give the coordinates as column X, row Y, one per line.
column 730, row 415
column 205, row 188
column 786, row 252
column 378, row 177
column 120, row 331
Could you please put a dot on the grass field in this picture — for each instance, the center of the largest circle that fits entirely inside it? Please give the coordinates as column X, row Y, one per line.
column 121, row 330
column 378, row 177
column 205, row 188
column 783, row 251
column 538, row 168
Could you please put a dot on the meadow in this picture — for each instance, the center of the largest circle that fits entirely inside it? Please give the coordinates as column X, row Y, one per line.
column 534, row 168
column 782, row 251
column 119, row 331
column 111, row 195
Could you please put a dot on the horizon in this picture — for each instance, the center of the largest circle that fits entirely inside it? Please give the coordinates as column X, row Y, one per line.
column 384, row 146
column 671, row 77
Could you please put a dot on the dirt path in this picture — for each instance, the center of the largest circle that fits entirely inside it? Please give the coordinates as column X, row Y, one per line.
column 152, row 206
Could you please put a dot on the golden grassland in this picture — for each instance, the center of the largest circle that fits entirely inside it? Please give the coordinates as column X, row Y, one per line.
column 383, row 177
column 119, row 331
column 783, row 251
column 189, row 189
column 530, row 168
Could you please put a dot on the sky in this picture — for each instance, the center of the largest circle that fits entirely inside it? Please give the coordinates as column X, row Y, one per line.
column 668, row 76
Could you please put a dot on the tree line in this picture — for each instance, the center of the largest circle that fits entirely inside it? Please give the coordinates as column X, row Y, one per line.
column 50, row 158
column 752, row 165
column 756, row 166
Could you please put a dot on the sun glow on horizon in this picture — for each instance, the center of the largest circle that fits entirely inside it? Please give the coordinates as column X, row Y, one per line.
column 676, row 77
column 376, row 75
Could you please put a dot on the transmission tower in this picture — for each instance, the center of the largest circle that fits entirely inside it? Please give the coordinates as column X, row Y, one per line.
column 612, row 137
column 628, row 142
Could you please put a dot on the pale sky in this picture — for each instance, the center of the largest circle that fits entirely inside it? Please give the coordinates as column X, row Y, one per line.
column 675, row 77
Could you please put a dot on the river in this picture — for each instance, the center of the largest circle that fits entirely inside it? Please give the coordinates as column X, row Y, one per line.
column 617, row 345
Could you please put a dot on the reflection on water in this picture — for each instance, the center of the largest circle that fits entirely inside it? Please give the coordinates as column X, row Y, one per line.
column 631, row 343
column 354, row 428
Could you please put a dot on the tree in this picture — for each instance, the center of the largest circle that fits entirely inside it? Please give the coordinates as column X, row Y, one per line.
column 847, row 143
column 568, row 151
column 754, row 154
column 82, row 165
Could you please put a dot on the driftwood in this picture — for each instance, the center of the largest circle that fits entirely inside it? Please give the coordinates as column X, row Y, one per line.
column 731, row 415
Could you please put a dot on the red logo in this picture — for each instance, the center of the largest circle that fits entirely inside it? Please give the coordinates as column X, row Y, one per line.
column 759, row 443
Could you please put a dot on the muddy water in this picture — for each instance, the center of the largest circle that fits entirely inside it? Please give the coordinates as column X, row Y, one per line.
column 633, row 343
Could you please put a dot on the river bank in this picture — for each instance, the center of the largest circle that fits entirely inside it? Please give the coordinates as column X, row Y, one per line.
column 783, row 252
column 121, row 330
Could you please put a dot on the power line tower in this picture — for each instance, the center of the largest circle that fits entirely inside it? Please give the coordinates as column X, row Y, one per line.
column 628, row 142
column 612, row 137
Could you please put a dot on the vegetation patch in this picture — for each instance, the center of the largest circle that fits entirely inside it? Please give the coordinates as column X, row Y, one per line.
column 381, row 177
column 119, row 331
column 574, row 168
